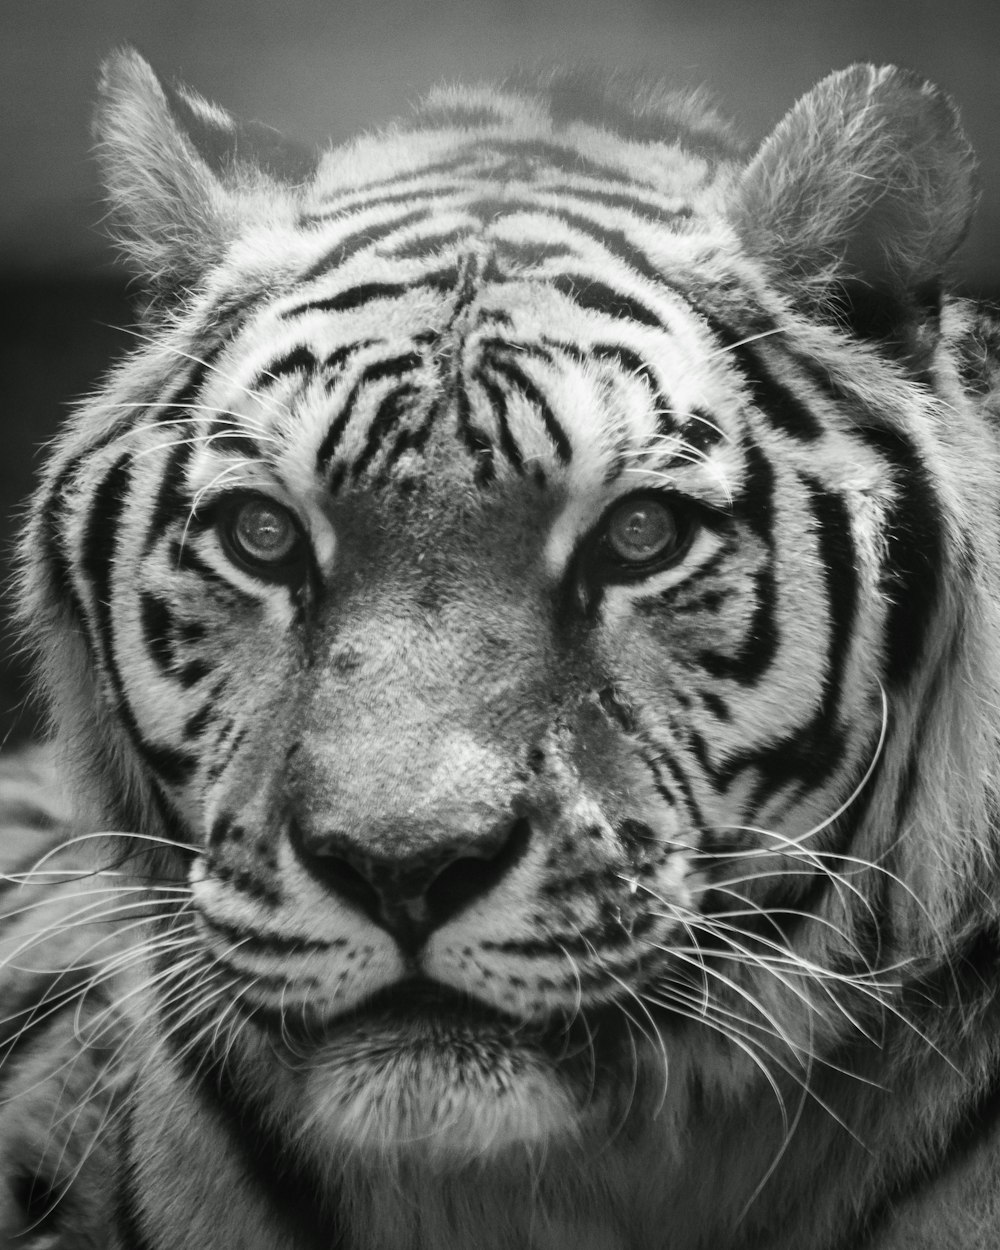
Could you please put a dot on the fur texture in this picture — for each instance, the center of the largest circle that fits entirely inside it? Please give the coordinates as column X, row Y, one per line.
column 524, row 624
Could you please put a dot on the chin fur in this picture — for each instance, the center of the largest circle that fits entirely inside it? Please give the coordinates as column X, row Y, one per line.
column 385, row 1095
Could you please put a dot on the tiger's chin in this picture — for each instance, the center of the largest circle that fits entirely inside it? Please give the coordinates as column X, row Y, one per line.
column 440, row 1084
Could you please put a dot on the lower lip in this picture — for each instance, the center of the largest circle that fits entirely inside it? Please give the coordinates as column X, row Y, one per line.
column 422, row 1015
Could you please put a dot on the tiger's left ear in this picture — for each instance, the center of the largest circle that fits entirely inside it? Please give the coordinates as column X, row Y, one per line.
column 183, row 176
column 858, row 200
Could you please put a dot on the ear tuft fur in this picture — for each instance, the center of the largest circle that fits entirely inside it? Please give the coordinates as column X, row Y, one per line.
column 181, row 174
column 859, row 198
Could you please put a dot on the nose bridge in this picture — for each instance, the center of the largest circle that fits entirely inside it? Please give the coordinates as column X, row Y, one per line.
column 408, row 735
column 402, row 795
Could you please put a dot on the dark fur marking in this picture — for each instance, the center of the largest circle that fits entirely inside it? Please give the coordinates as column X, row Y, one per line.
column 156, row 622
column 911, row 578
column 390, row 412
column 498, row 402
column 288, row 1192
column 599, row 297
column 395, row 367
column 516, row 377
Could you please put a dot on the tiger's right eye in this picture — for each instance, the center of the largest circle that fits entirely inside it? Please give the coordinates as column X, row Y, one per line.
column 261, row 535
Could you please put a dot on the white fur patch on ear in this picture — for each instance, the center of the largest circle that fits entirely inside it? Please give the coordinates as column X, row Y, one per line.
column 869, row 178
column 169, row 210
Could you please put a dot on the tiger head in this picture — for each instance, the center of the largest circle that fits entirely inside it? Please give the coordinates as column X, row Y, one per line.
column 524, row 575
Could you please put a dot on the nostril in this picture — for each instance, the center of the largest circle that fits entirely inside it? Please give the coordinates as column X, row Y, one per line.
column 412, row 894
column 347, row 881
column 470, row 875
column 333, row 860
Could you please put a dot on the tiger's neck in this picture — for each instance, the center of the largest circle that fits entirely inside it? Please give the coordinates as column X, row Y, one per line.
column 787, row 1165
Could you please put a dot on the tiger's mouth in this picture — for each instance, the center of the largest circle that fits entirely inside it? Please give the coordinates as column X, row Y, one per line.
column 421, row 1064
column 423, row 1014
column 429, row 1008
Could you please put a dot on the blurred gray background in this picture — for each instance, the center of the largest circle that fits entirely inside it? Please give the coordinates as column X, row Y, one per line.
column 322, row 69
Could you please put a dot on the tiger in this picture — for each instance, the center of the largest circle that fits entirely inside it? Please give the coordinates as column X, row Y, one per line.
column 520, row 630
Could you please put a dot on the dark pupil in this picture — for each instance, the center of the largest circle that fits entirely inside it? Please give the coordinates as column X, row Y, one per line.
column 642, row 531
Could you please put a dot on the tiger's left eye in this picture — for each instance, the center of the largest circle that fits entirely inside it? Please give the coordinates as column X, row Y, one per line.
column 261, row 534
column 642, row 531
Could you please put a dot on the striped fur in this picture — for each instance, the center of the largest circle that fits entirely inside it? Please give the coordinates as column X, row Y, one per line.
column 524, row 624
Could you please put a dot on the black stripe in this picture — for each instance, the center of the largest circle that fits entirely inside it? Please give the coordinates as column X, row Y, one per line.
column 596, row 296
column 338, row 358
column 360, row 200
column 617, row 707
column 716, row 705
column 156, row 623
column 299, row 358
column 351, row 298
column 289, row 1191
column 528, row 254
column 658, row 757
column 191, row 673
column 196, row 724
column 223, row 762
column 700, row 432
column 176, row 407
column 760, row 641
column 784, row 410
column 99, row 549
column 234, row 441
column 838, row 557
column 524, row 156
column 100, row 541
column 395, row 367
column 815, row 751
column 476, row 440
column 390, row 412
column 619, row 245
column 252, row 941
column 362, row 237
column 807, row 757
column 191, row 631
column 710, row 600
column 410, row 440
column 516, row 377
column 424, row 246
column 357, row 296
column 755, row 504
column 911, row 578
column 630, row 201
column 170, row 498
column 186, row 559
column 498, row 403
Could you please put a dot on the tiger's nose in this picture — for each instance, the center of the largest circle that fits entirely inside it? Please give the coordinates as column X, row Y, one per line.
column 411, row 895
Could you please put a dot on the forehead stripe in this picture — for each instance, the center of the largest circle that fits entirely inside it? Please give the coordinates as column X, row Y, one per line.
column 395, row 367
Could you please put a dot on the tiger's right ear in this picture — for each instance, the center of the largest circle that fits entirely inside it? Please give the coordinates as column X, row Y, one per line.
column 858, row 201
column 183, row 176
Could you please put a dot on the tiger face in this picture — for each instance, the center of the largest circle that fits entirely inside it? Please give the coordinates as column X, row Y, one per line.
column 509, row 579
column 471, row 704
